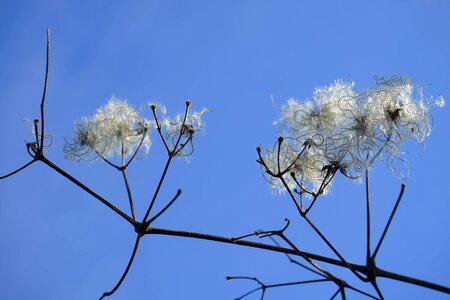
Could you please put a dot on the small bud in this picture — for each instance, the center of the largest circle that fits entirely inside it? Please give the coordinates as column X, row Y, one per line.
column 36, row 121
column 229, row 277
column 258, row 149
column 280, row 139
column 153, row 107
column 188, row 103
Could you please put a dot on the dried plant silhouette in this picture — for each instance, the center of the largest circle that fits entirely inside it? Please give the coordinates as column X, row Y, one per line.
column 341, row 132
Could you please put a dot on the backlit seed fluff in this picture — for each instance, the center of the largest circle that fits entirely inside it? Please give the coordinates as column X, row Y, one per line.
column 116, row 129
column 347, row 130
column 173, row 127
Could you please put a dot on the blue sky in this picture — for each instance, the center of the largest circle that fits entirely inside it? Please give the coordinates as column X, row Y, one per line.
column 230, row 56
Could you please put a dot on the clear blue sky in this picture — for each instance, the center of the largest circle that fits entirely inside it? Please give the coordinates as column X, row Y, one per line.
column 56, row 242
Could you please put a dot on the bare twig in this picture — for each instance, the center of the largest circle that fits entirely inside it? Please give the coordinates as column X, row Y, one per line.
column 130, row 262
column 165, row 207
column 402, row 190
column 158, row 128
column 137, row 149
column 172, row 154
column 41, row 146
column 130, row 197
column 88, row 190
column 368, row 257
column 18, row 170
column 263, row 287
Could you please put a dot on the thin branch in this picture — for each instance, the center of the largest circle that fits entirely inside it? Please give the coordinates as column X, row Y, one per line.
column 291, row 260
column 88, row 190
column 107, row 161
column 402, row 190
column 186, row 113
column 137, row 149
column 335, row 294
column 334, row 249
column 343, row 293
column 228, row 240
column 41, row 147
column 158, row 128
column 414, row 281
column 155, row 195
column 326, row 180
column 264, row 287
column 165, row 207
column 297, row 282
column 123, row 170
column 130, row 262
column 354, row 271
column 361, row 292
column 314, row 264
column 171, row 156
column 377, row 289
column 130, row 197
column 368, row 216
column 18, row 170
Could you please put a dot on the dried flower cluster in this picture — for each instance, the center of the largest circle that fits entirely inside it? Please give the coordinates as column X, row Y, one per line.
column 174, row 127
column 343, row 130
column 116, row 129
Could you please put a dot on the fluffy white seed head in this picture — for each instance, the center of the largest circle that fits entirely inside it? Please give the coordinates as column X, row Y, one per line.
column 116, row 129
column 347, row 131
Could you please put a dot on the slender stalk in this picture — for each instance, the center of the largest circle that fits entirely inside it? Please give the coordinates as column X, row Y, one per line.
column 335, row 294
column 125, row 179
column 107, row 160
column 354, row 271
column 402, row 190
column 88, row 190
column 137, row 149
column 377, row 289
column 334, row 249
column 344, row 297
column 291, row 260
column 158, row 128
column 130, row 197
column 318, row 267
column 155, row 195
column 328, row 177
column 41, row 147
column 130, row 262
column 171, row 154
column 18, row 170
column 251, row 292
column 361, row 292
column 368, row 215
column 296, row 283
column 264, row 287
column 165, row 207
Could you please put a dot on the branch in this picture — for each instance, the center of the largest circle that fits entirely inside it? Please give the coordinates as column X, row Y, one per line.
column 130, row 197
column 165, row 207
column 402, row 190
column 359, row 268
column 41, row 147
column 88, row 190
column 130, row 262
column 264, row 287
column 18, row 170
